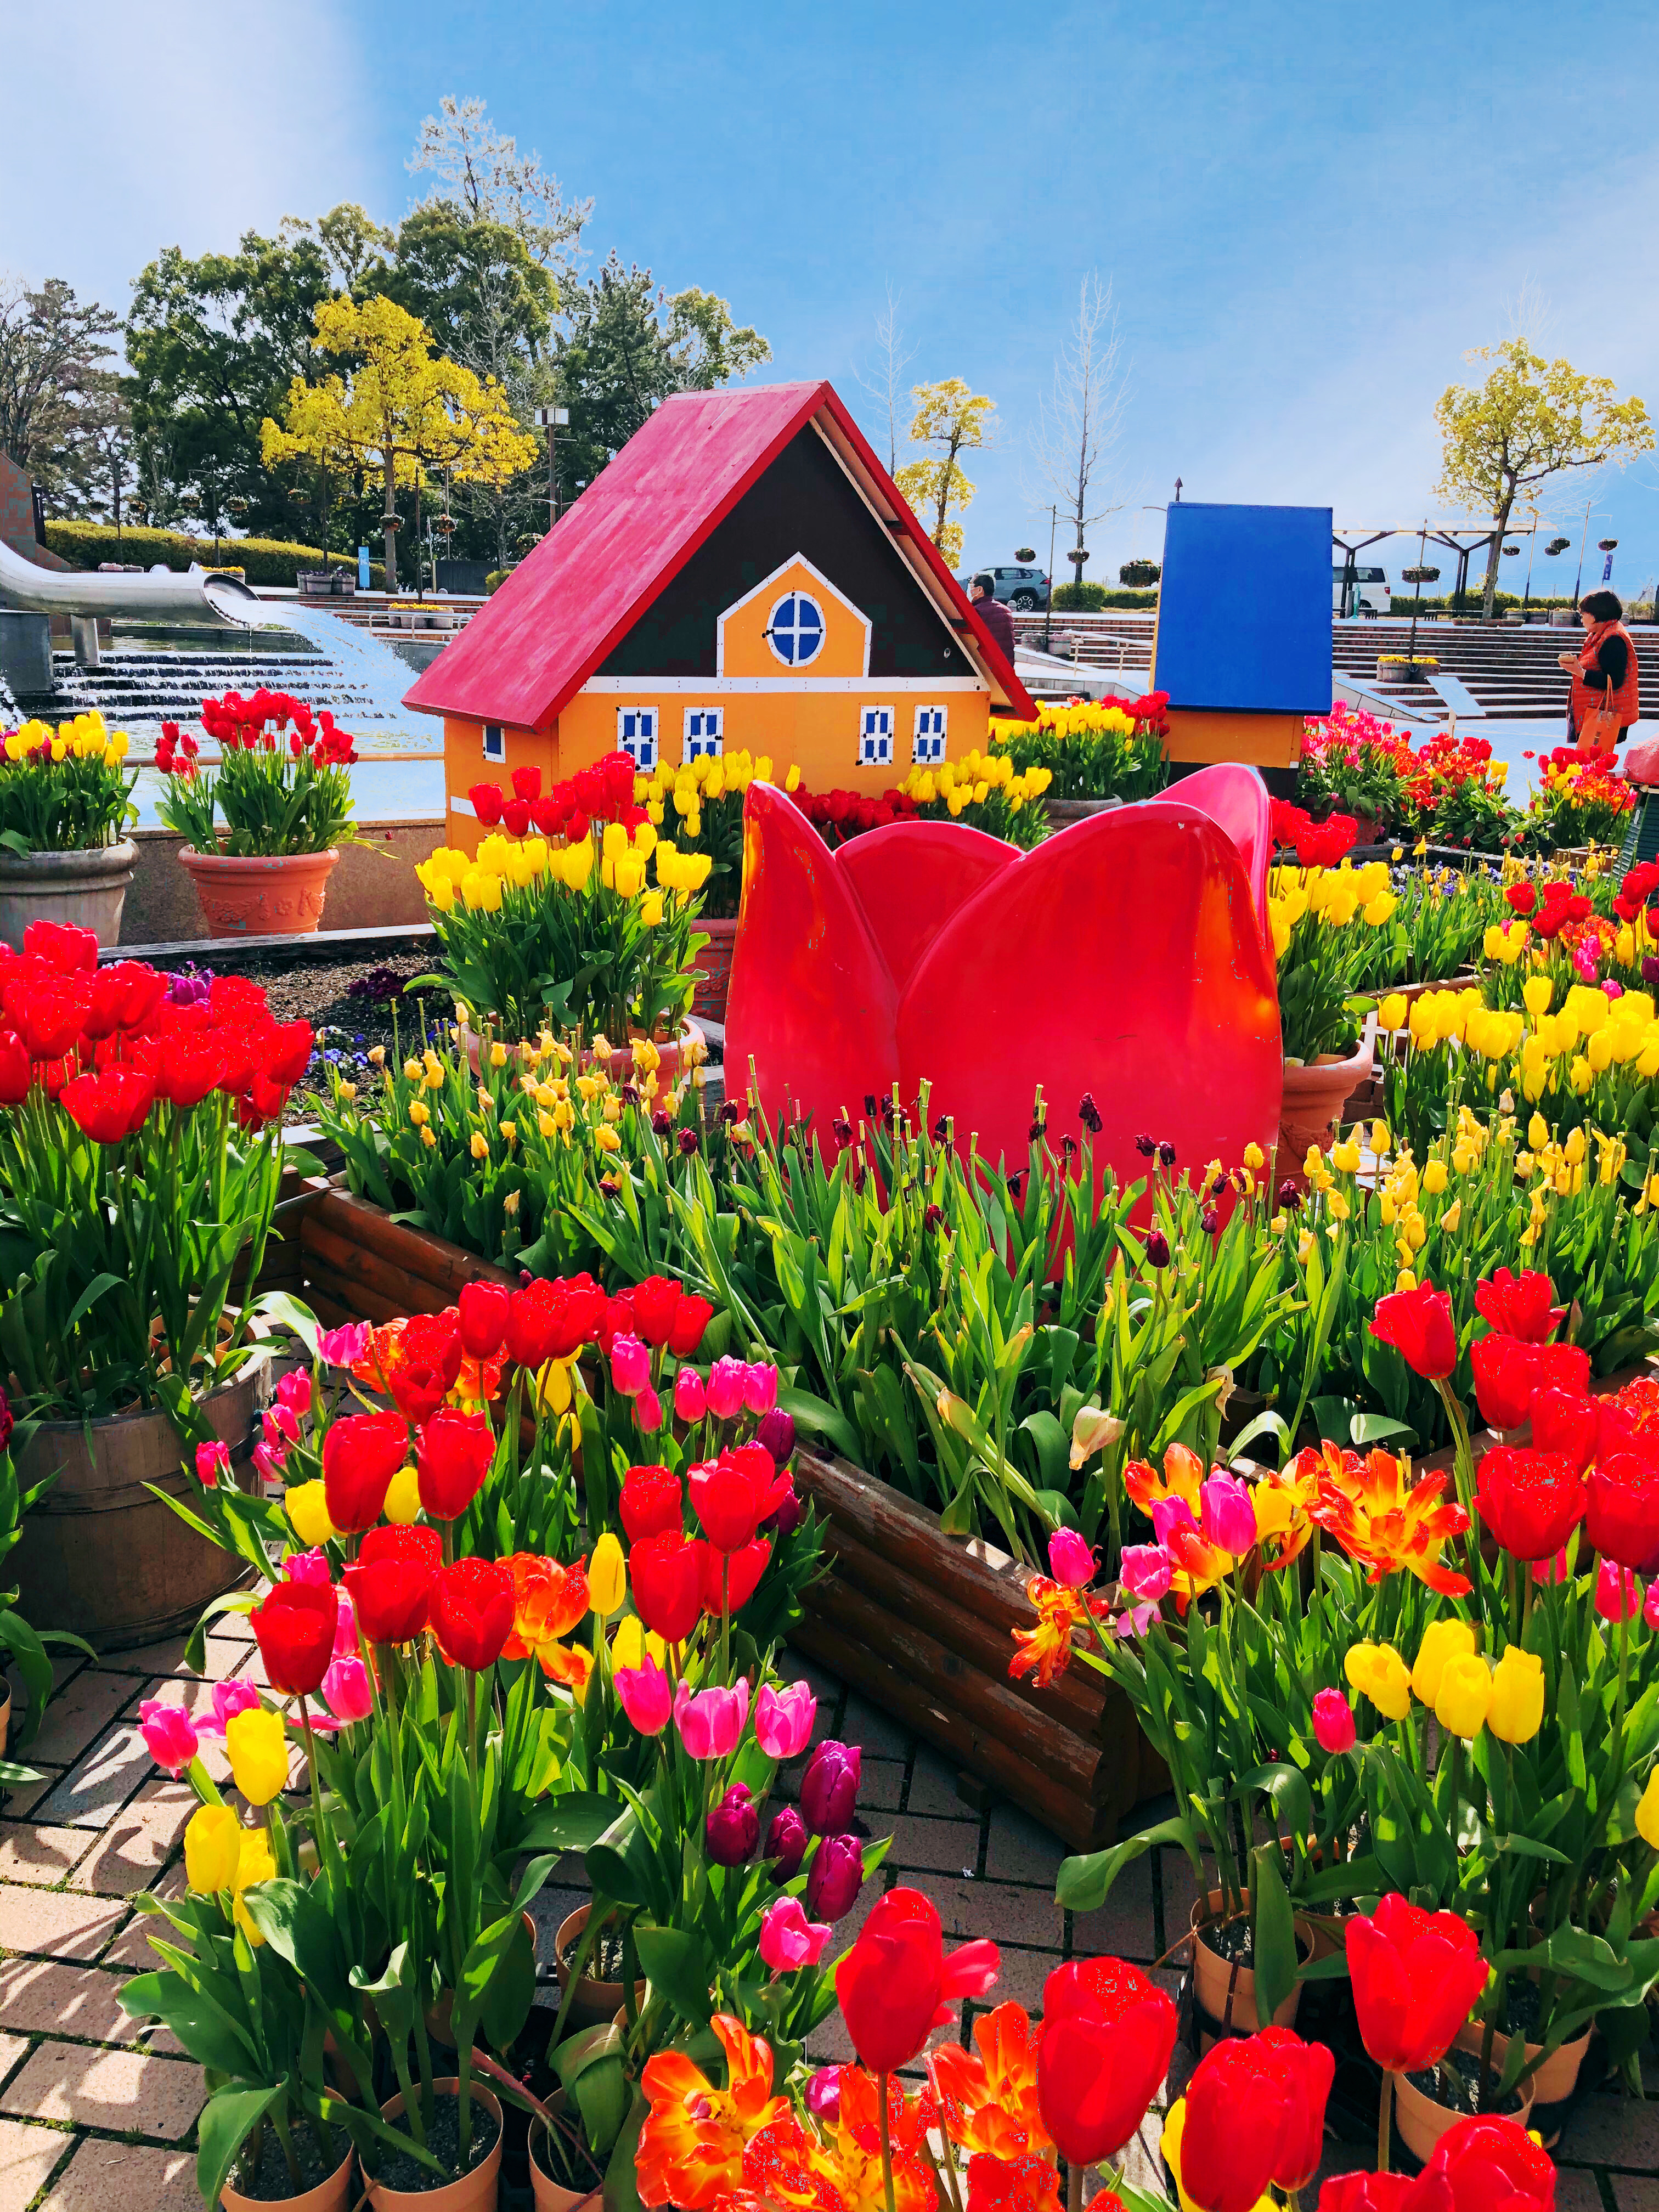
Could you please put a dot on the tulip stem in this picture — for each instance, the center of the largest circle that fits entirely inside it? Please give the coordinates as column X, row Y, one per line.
column 725, row 1626
column 1385, row 2122
column 886, row 2142
column 1073, row 2186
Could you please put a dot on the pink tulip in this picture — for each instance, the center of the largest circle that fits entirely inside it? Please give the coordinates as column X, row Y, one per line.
column 727, row 1380
column 1137, row 1620
column 1332, row 1721
column 711, row 1722
column 344, row 1348
column 1228, row 1516
column 688, row 1400
column 212, row 1461
column 789, row 1940
column 169, row 1735
column 268, row 1466
column 347, row 1689
column 630, row 1364
column 648, row 1411
column 1144, row 1571
column 294, row 1391
column 1172, row 1516
column 1619, row 1593
column 1069, row 1560
column 309, row 1567
column 1650, row 1607
column 281, row 1427
column 760, row 1386
column 784, row 1718
column 646, row 1695
column 345, row 1625
column 1550, row 1571
column 238, row 1695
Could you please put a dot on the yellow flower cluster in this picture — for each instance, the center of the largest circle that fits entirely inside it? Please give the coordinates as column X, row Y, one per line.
column 681, row 788
column 1402, row 1185
column 1334, row 896
column 1084, row 719
column 623, row 861
column 1464, row 1692
column 1586, row 1035
column 971, row 781
column 86, row 737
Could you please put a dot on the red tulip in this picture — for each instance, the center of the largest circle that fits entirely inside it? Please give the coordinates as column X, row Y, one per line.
column 14, row 1069
column 61, row 946
column 1108, row 2033
column 666, row 1575
column 1416, row 1979
column 527, row 784
column 1506, row 1376
column 1492, row 2165
column 125, row 996
column 294, row 1627
column 487, row 801
column 615, row 1318
column 549, row 1320
column 360, row 1454
column 482, row 1310
column 1621, row 1517
column 1563, row 1367
column 691, row 1317
column 1531, row 1501
column 283, row 1050
column 733, row 1494
column 1519, row 1305
column 895, row 1984
column 390, row 1583
column 1564, row 1425
column 1307, row 2070
column 473, row 1612
column 51, row 1019
column 651, row 1504
column 515, row 817
column 186, row 1068
column 109, row 1107
column 1419, row 1326
column 1616, row 1432
column 1386, row 2192
column 1237, row 2107
column 453, row 1457
column 655, row 1301
column 744, row 1569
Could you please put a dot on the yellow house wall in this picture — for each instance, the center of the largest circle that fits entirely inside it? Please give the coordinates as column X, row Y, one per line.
column 744, row 649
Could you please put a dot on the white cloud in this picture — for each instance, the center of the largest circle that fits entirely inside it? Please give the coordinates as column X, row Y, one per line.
column 133, row 127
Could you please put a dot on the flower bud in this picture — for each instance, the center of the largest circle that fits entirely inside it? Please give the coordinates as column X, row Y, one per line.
column 786, row 1843
column 834, row 1878
column 732, row 1829
column 830, row 1788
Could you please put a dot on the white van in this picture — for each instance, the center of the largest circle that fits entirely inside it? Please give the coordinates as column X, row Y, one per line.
column 1359, row 590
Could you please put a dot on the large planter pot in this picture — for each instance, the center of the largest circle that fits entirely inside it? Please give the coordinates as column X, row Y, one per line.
column 474, row 2192
column 714, row 969
column 99, row 1554
column 85, row 890
column 330, row 2196
column 595, row 2001
column 1313, row 1099
column 1554, row 2081
column 260, row 895
column 1224, row 1992
column 552, row 2195
column 1062, row 812
column 1422, row 2122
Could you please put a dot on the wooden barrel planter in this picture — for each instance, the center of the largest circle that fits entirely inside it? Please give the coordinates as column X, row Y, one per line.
column 922, row 1624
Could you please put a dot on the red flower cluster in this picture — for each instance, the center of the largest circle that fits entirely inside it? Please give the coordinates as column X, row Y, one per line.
column 1317, row 844
column 603, row 792
column 838, row 815
column 109, row 1042
column 1560, row 905
column 677, row 1578
column 1640, row 884
column 258, row 725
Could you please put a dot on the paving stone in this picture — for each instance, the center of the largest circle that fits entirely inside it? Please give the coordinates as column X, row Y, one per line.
column 137, row 1842
column 945, row 1846
column 1004, row 1913
column 881, row 1784
column 52, row 1923
column 1577, row 2191
column 28, row 1853
column 882, row 1738
column 13, row 2048
column 94, row 1790
column 44, row 1997
column 1631, row 2192
column 1613, row 2131
column 119, row 2090
column 102, row 2175
column 1020, row 1976
column 20, row 1801
column 27, row 2155
column 1019, row 1850
column 78, row 1713
column 933, row 1787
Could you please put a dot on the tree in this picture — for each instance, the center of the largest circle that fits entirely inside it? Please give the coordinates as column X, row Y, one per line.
column 1530, row 420
column 886, row 381
column 1078, row 424
column 99, row 459
column 51, row 374
column 491, row 182
column 398, row 411
column 955, row 420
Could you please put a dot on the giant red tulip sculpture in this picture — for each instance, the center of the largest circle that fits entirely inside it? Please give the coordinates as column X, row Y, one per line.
column 1125, row 958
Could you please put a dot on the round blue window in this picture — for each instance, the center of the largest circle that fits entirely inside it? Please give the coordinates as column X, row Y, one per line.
column 796, row 630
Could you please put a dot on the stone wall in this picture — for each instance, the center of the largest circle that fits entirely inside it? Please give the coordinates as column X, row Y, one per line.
column 374, row 887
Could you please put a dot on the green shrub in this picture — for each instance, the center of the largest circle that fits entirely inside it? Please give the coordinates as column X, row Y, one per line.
column 263, row 560
column 494, row 580
column 1139, row 576
column 1093, row 599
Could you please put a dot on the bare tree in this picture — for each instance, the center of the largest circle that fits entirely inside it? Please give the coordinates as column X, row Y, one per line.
column 495, row 183
column 1079, row 425
column 886, row 383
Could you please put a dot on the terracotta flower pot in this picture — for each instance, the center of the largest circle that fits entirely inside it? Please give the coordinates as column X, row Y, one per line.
column 5, row 1722
column 551, row 2196
column 330, row 2196
column 1553, row 2081
column 595, row 2002
column 1227, row 1993
column 475, row 2192
column 260, row 895
column 1313, row 1099
column 1422, row 2121
column 714, row 968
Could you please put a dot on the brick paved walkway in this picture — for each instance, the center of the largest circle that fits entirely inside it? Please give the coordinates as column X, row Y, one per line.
column 98, row 2112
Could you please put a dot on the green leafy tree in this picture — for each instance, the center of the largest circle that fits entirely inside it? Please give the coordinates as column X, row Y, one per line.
column 1530, row 420
column 54, row 379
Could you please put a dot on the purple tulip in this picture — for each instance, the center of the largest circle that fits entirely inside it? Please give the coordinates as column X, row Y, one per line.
column 734, row 1828
column 830, row 1788
column 834, row 1877
column 777, row 1433
column 786, row 1844
column 1158, row 1249
column 788, row 1517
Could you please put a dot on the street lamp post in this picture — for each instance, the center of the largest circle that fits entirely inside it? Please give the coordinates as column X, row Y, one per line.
column 1048, row 611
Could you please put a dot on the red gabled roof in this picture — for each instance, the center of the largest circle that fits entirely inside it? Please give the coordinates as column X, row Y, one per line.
column 553, row 623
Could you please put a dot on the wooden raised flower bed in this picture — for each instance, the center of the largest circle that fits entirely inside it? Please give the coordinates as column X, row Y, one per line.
column 350, row 1260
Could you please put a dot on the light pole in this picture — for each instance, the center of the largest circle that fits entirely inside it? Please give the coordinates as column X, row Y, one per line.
column 1579, row 580
column 552, row 420
column 1048, row 611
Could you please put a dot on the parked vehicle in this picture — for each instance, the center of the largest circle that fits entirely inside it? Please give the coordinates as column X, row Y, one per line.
column 1358, row 591
column 1023, row 589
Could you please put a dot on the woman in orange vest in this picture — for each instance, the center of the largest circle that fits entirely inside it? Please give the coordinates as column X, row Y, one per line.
column 1604, row 674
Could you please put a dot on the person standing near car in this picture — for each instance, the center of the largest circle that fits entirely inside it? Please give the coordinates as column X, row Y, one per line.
column 1604, row 674
column 992, row 612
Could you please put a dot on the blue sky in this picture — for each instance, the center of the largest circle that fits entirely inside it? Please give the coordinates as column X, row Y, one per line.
column 1306, row 213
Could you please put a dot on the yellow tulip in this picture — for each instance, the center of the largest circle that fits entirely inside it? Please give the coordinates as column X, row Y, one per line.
column 1647, row 1812
column 1378, row 1671
column 1434, row 1178
column 254, row 1864
column 256, row 1744
column 1463, row 1697
column 1537, row 992
column 307, row 1507
column 213, row 1844
column 1443, row 1640
column 1346, row 1156
column 607, row 1577
column 402, row 1497
column 1517, row 1695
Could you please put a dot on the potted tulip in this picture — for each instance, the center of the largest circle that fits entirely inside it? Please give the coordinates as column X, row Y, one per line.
column 65, row 798
column 285, row 796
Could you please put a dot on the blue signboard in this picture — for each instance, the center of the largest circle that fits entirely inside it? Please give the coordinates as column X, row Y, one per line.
column 362, row 567
column 1244, row 609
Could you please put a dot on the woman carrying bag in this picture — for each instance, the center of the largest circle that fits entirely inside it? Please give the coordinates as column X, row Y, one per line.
column 1604, row 700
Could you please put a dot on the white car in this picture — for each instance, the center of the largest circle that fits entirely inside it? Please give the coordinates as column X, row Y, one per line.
column 1358, row 591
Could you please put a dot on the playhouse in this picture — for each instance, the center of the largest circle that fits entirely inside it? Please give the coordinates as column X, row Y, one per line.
column 746, row 573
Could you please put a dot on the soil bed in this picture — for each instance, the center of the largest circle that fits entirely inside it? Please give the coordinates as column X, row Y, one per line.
column 271, row 2185
column 398, row 2170
column 603, row 1962
column 1455, row 2083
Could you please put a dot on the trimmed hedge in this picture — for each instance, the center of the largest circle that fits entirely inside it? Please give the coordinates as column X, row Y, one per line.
column 1093, row 599
column 263, row 560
